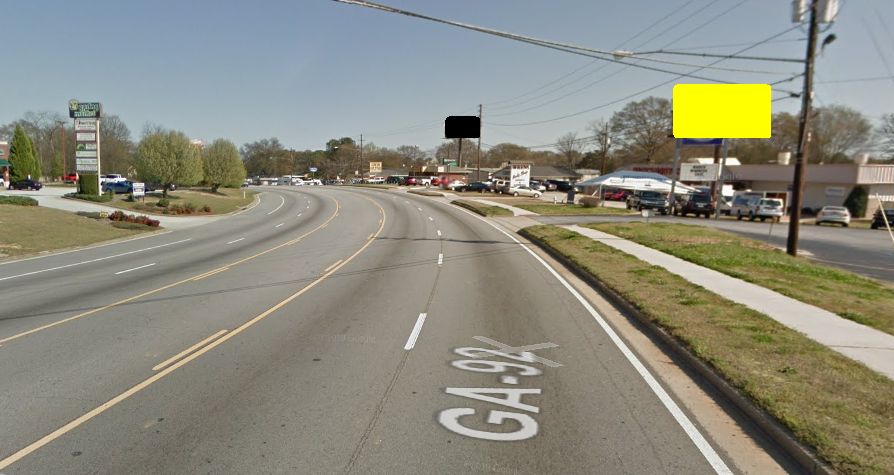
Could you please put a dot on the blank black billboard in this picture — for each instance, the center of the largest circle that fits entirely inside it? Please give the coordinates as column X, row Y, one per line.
column 462, row 127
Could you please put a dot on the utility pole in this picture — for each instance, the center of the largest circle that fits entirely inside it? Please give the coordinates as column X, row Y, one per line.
column 606, row 143
column 361, row 157
column 803, row 136
column 480, row 113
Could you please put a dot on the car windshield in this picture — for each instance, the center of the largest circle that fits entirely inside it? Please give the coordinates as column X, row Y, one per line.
column 326, row 236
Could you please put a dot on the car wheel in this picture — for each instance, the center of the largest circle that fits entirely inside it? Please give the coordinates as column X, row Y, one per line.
column 818, row 223
column 751, row 216
column 739, row 215
column 763, row 219
column 843, row 225
column 536, row 195
column 873, row 226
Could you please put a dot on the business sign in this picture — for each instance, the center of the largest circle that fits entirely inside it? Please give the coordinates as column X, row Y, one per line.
column 85, row 161
column 85, row 125
column 84, row 110
column 449, row 163
column 86, row 146
column 699, row 172
column 87, row 165
column 313, row 169
column 85, row 137
column 835, row 191
column 86, row 153
column 519, row 175
column 375, row 167
column 139, row 189
column 699, row 142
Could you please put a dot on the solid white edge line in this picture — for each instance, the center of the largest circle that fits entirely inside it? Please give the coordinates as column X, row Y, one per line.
column 236, row 240
column 283, row 198
column 695, row 436
column 414, row 335
column 135, row 268
column 93, row 260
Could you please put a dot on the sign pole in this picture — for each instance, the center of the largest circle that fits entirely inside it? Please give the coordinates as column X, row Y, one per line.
column 718, row 181
column 672, row 198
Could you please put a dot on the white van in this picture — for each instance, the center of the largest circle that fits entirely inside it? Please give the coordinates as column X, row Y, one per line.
column 743, row 202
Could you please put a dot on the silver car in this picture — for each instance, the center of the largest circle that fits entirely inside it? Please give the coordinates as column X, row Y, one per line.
column 834, row 214
column 523, row 191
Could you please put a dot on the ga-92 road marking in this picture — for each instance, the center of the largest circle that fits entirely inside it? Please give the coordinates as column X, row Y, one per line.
column 135, row 268
column 43, row 441
column 94, row 260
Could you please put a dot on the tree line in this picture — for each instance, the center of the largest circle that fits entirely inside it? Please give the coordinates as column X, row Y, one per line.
column 637, row 133
column 163, row 157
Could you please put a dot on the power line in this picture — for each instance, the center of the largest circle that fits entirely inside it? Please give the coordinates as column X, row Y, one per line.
column 570, row 48
column 643, row 91
column 561, row 78
column 839, row 81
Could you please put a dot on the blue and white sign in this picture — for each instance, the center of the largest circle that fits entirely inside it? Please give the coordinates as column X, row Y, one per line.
column 691, row 142
column 313, row 169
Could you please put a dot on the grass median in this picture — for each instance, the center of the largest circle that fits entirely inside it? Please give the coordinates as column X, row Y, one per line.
column 226, row 200
column 849, row 295
column 838, row 407
column 574, row 210
column 26, row 230
column 482, row 209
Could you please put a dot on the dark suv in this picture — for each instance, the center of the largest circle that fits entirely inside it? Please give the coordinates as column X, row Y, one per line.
column 879, row 222
column 25, row 185
column 641, row 200
column 697, row 204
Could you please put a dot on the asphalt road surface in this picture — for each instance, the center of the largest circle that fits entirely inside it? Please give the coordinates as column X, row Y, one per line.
column 325, row 330
column 863, row 251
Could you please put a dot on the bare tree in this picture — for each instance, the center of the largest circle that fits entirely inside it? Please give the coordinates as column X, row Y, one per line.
column 640, row 130
column 602, row 133
column 569, row 147
column 885, row 134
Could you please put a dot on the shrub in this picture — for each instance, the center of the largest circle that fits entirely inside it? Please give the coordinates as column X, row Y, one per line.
column 17, row 200
column 121, row 217
column 206, row 209
column 857, row 201
column 88, row 184
column 190, row 208
column 96, row 198
column 589, row 201
column 163, row 203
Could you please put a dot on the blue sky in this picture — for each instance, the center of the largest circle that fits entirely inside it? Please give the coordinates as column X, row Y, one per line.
column 306, row 71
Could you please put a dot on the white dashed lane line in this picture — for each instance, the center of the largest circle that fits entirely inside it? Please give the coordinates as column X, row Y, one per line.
column 135, row 268
column 235, row 240
column 414, row 335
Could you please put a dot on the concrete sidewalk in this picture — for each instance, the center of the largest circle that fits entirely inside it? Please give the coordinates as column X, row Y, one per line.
column 867, row 345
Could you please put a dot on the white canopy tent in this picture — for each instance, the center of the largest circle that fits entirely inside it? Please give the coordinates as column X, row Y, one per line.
column 637, row 181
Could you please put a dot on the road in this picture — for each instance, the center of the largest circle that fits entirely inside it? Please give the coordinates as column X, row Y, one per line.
column 325, row 330
column 863, row 251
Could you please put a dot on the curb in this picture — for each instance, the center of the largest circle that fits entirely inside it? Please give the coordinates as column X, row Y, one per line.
column 779, row 433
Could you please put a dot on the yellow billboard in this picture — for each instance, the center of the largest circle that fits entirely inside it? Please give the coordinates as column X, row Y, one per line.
column 735, row 111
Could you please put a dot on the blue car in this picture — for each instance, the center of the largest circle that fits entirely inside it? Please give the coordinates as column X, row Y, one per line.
column 118, row 187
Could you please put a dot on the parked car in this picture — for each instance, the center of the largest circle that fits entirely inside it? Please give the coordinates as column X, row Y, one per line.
column 117, row 187
column 878, row 221
column 478, row 186
column 616, row 195
column 410, row 181
column 427, row 181
column 764, row 208
column 562, row 185
column 726, row 205
column 25, row 185
column 524, row 191
column 833, row 214
column 70, row 178
column 501, row 186
column 453, row 185
column 111, row 177
column 641, row 200
column 698, row 204
column 538, row 185
column 550, row 186
column 155, row 186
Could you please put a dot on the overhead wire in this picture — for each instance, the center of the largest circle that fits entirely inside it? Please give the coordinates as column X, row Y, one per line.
column 651, row 88
column 496, row 104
